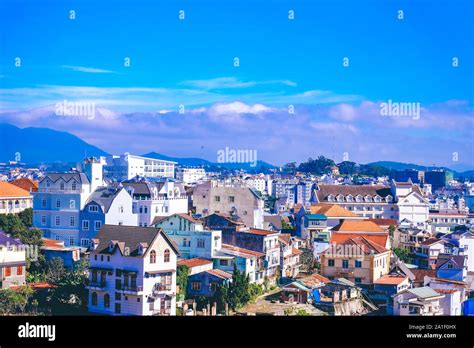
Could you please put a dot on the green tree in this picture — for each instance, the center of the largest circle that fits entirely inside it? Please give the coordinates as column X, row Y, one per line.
column 238, row 294
column 11, row 223
column 26, row 217
column 15, row 301
column 182, row 275
column 403, row 254
column 55, row 270
column 221, row 297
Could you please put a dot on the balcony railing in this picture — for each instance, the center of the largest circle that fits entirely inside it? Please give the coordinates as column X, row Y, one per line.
column 160, row 288
column 166, row 311
column 56, row 190
column 131, row 288
column 98, row 284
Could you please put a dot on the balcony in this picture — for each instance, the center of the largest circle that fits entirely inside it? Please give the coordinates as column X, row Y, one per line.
column 56, row 190
column 347, row 271
column 132, row 289
column 160, row 288
column 166, row 311
column 100, row 284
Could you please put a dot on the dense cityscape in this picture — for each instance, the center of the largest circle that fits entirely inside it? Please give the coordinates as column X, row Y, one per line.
column 133, row 235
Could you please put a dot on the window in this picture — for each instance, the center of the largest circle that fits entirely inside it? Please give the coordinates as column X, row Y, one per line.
column 106, row 300
column 85, row 243
column 93, row 208
column 97, row 225
column 43, row 220
column 118, row 308
column 196, row 286
column 19, row 270
column 57, row 221
column 167, row 255
column 146, row 210
column 358, row 264
column 85, row 225
column 71, row 240
column 74, row 186
column 153, row 256
column 43, row 202
column 48, row 183
column 217, row 198
column 224, row 262
column 201, row 243
column 121, row 209
column 213, row 286
column 72, row 221
column 330, row 263
column 58, row 203
column 61, row 186
column 118, row 296
column 358, row 280
column 94, row 299
column 231, row 199
column 8, row 271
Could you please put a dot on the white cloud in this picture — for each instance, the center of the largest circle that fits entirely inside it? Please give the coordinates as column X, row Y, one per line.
column 87, row 69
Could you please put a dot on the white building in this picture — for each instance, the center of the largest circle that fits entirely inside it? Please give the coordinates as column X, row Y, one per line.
column 412, row 205
column 125, row 167
column 423, row 301
column 14, row 199
column 12, row 262
column 152, row 199
column 132, row 272
column 190, row 175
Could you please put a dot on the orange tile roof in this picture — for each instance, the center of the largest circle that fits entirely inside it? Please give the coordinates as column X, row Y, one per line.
column 358, row 226
column 313, row 279
column 332, row 210
column 241, row 251
column 390, row 279
column 446, row 291
column 380, row 239
column 368, row 247
column 52, row 243
column 10, row 190
column 194, row 262
column 384, row 222
column 26, row 184
column 260, row 232
column 295, row 251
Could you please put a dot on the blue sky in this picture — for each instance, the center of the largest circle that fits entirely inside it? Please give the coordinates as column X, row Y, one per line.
column 282, row 62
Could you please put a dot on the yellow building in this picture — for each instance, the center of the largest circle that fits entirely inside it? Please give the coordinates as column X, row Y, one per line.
column 356, row 259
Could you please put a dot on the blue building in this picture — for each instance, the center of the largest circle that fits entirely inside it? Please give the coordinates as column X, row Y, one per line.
column 60, row 198
column 206, row 283
column 453, row 267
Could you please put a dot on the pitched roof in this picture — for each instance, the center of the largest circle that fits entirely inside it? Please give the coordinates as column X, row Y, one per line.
column 187, row 217
column 313, row 279
column 5, row 238
column 424, row 292
column 236, row 251
column 357, row 226
column 443, row 259
column 10, row 190
column 384, row 222
column 354, row 190
column 431, row 241
column 421, row 273
column 380, row 239
column 366, row 246
column 275, row 220
column 284, row 238
column 295, row 251
column 129, row 237
column 26, row 184
column 219, row 273
column 194, row 262
column 79, row 177
column 391, row 279
column 331, row 210
column 104, row 196
column 260, row 232
column 158, row 219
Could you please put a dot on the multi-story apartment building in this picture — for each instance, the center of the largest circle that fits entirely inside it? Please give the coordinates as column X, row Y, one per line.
column 132, row 272
column 289, row 256
column 190, row 175
column 14, row 199
column 438, row 178
column 356, row 259
column 126, row 167
column 190, row 237
column 213, row 197
column 412, row 206
column 445, row 220
column 262, row 241
column 12, row 262
column 284, row 187
column 61, row 197
column 152, row 199
column 110, row 205
column 258, row 182
column 304, row 191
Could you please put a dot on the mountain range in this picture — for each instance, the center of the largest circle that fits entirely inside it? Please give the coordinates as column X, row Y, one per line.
column 44, row 145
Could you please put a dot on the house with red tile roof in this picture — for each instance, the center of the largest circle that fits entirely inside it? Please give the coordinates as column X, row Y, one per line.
column 196, row 265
